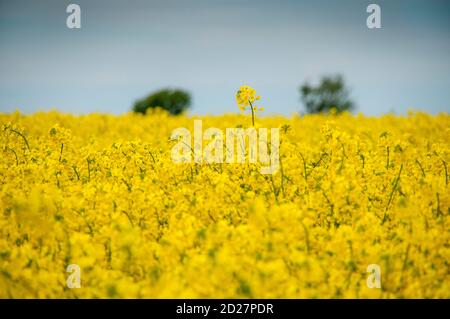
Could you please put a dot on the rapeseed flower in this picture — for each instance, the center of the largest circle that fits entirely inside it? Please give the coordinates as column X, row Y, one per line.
column 245, row 98
column 100, row 191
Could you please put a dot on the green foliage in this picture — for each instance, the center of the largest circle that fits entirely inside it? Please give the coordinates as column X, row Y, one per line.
column 330, row 94
column 174, row 101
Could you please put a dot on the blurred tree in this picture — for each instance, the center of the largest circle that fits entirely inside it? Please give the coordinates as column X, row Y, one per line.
column 331, row 93
column 174, row 101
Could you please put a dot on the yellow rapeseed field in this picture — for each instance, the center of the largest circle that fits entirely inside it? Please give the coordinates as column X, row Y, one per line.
column 101, row 192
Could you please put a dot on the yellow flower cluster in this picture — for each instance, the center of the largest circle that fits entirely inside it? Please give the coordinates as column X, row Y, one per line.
column 246, row 97
column 101, row 192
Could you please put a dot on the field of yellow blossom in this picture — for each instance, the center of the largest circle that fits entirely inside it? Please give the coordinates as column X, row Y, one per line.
column 101, row 191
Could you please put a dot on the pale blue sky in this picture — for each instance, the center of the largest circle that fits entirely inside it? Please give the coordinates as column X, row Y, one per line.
column 125, row 49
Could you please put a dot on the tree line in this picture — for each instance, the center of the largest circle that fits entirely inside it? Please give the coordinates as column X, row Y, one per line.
column 330, row 94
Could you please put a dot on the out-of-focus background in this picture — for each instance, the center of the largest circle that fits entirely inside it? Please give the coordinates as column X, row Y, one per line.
column 127, row 49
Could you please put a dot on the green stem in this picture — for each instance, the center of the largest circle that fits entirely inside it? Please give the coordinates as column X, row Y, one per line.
column 60, row 153
column 394, row 188
column 76, row 172
column 421, row 168
column 387, row 157
column 15, row 154
column 253, row 113
column 446, row 172
column 304, row 167
column 23, row 136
